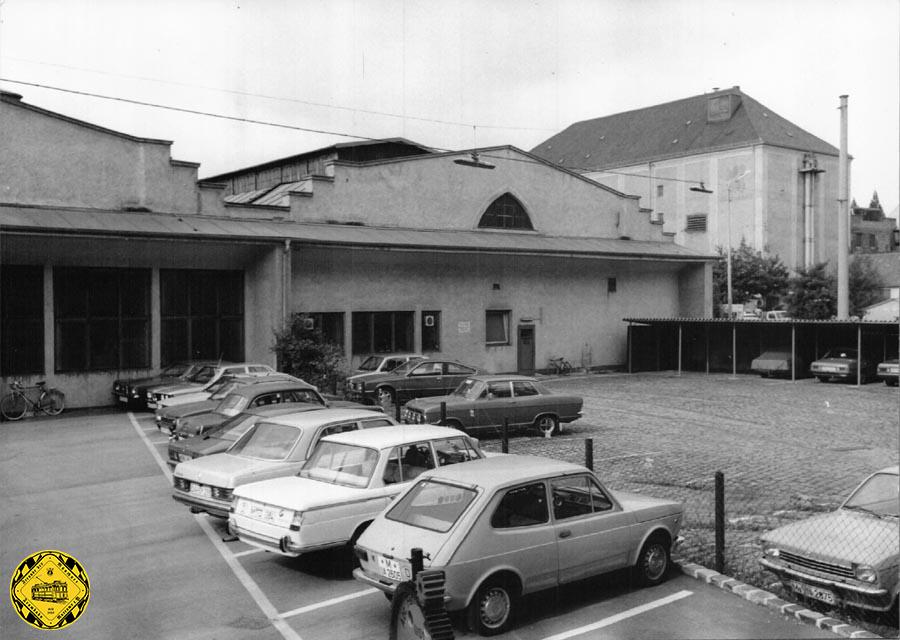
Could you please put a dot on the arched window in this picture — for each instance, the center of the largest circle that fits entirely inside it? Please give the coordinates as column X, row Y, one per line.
column 506, row 212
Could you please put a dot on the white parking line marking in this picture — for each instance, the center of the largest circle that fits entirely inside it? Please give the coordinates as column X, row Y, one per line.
column 241, row 554
column 240, row 573
column 620, row 616
column 328, row 603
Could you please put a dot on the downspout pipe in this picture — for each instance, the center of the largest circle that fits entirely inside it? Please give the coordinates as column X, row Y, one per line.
column 843, row 301
column 286, row 266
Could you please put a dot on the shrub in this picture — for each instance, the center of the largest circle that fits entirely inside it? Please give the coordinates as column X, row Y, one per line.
column 303, row 352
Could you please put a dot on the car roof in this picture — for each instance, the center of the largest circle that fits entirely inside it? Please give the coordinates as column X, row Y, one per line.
column 494, row 377
column 280, row 409
column 301, row 418
column 393, row 436
column 499, row 471
column 398, row 354
column 268, row 387
column 895, row 470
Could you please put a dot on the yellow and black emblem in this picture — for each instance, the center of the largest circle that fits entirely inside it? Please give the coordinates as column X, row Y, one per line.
column 49, row 590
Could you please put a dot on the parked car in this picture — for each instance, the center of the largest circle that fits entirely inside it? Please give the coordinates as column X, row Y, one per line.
column 846, row 558
column 220, row 438
column 841, row 364
column 375, row 364
column 486, row 401
column 504, row 527
column 889, row 371
column 203, row 378
column 277, row 446
column 249, row 396
column 346, row 482
column 169, row 417
column 133, row 391
column 777, row 362
column 415, row 379
column 776, row 314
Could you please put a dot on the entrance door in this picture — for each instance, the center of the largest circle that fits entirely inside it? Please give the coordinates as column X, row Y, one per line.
column 525, row 349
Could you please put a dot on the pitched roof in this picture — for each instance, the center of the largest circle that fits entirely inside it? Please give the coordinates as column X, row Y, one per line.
column 673, row 129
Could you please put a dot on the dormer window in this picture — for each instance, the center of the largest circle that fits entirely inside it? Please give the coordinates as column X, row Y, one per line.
column 506, row 212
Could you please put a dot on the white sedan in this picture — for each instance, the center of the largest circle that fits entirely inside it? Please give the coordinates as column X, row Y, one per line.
column 348, row 480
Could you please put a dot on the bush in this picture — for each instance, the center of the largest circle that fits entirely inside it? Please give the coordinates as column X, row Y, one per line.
column 303, row 352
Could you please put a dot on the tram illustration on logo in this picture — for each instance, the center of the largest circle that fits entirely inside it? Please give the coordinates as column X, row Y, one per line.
column 49, row 590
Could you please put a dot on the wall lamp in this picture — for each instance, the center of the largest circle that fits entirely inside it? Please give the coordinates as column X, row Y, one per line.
column 701, row 189
column 474, row 162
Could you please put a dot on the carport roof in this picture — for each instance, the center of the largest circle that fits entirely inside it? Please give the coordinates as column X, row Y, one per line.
column 751, row 322
column 92, row 222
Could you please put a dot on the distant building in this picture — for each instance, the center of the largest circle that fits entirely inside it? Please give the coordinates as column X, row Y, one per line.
column 773, row 184
column 871, row 231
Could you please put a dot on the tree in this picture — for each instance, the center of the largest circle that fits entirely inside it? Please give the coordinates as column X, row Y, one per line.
column 864, row 284
column 813, row 294
column 752, row 274
column 303, row 352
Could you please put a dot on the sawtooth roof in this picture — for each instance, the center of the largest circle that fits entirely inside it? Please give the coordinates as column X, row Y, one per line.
column 674, row 129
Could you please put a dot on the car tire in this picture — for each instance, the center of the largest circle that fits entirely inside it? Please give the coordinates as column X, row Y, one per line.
column 492, row 610
column 822, row 378
column 653, row 562
column 547, row 424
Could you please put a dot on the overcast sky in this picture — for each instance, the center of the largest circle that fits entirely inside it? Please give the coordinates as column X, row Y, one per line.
column 451, row 74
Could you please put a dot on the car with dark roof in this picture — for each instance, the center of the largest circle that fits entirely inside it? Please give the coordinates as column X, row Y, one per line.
column 414, row 379
column 375, row 364
column 132, row 392
column 203, row 378
column 490, row 401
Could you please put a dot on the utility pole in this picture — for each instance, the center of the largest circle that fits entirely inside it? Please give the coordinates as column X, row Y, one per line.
column 843, row 278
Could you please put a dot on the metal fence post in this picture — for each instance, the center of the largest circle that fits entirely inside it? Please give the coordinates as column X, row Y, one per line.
column 443, row 413
column 589, row 453
column 505, row 443
column 720, row 521
column 417, row 560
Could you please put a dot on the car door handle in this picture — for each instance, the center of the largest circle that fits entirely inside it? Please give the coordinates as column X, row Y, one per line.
column 565, row 533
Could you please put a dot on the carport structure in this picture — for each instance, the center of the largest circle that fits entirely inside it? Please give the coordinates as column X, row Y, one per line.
column 722, row 345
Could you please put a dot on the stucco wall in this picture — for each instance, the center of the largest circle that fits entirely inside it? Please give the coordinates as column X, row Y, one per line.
column 568, row 299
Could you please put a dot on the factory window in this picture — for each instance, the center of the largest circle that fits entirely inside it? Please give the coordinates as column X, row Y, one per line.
column 22, row 320
column 659, row 191
column 382, row 331
column 202, row 315
column 330, row 326
column 102, row 318
column 506, row 212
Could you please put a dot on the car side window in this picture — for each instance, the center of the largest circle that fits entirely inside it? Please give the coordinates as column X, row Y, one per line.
column 258, row 369
column 377, row 422
column 426, row 369
column 521, row 507
column 499, row 390
column 454, row 369
column 407, row 461
column 575, row 496
column 454, row 450
column 301, row 395
column 337, row 428
column 524, row 388
column 392, row 363
column 267, row 399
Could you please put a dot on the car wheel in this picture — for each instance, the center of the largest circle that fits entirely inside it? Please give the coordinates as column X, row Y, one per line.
column 653, row 562
column 453, row 423
column 547, row 424
column 493, row 608
column 822, row 378
column 386, row 396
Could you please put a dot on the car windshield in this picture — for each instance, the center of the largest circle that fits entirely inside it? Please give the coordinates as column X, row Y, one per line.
column 841, row 353
column 177, row 369
column 371, row 363
column 233, row 404
column 879, row 495
column 221, row 388
column 432, row 505
column 343, row 464
column 469, row 389
column 267, row 441
column 203, row 374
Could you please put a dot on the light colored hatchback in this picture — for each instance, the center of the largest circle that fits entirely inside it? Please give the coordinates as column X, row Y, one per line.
column 271, row 448
column 346, row 482
column 507, row 526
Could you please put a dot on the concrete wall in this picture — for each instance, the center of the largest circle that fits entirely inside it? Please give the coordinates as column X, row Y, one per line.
column 568, row 299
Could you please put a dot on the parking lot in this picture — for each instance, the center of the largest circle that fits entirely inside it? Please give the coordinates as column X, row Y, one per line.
column 96, row 486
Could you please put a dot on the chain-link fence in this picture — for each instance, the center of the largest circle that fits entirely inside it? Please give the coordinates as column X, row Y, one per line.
column 850, row 550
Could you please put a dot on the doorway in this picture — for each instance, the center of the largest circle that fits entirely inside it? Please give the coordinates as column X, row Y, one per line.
column 525, row 350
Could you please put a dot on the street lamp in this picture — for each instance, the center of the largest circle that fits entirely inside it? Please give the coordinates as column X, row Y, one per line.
column 730, row 184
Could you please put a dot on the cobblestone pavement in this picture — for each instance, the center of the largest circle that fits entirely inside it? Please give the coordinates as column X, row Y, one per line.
column 787, row 449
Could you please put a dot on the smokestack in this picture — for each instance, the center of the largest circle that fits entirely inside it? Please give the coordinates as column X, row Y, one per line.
column 843, row 220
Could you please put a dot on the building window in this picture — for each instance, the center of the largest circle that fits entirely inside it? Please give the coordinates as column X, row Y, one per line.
column 202, row 315
column 857, row 240
column 610, row 285
column 382, row 331
column 431, row 331
column 659, row 191
column 102, row 319
column 695, row 222
column 22, row 320
column 330, row 326
column 496, row 327
column 873, row 242
column 506, row 212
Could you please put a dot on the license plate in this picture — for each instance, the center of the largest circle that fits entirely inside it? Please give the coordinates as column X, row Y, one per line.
column 828, row 369
column 389, row 568
column 202, row 490
column 817, row 593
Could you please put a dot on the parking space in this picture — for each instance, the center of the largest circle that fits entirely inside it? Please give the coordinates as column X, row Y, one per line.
column 97, row 487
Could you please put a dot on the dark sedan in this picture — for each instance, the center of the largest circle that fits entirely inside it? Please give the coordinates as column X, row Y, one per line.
column 415, row 379
column 486, row 402
column 133, row 391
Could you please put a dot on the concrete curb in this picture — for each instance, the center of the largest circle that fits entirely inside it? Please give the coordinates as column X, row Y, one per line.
column 770, row 600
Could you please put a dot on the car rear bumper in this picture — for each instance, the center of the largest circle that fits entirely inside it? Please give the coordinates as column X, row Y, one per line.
column 213, row 507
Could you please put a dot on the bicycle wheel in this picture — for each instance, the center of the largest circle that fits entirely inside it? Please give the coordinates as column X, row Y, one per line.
column 13, row 406
column 53, row 402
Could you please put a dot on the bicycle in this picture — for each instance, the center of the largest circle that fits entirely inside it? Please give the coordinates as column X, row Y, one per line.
column 15, row 403
column 560, row 366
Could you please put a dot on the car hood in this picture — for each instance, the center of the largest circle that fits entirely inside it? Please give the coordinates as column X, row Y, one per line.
column 202, row 446
column 840, row 537
column 134, row 382
column 850, row 361
column 646, row 508
column 183, row 387
column 189, row 409
column 224, row 469
column 298, row 494
column 432, row 402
